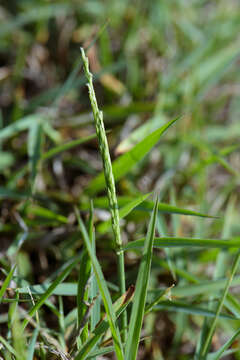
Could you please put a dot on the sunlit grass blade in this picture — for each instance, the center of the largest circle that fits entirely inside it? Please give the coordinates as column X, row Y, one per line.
column 103, row 291
column 185, row 242
column 51, row 289
column 139, row 301
column 119, row 306
column 34, row 149
column 6, row 282
column 207, row 343
column 123, row 212
column 124, row 163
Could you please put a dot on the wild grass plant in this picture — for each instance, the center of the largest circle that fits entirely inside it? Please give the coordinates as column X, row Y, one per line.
column 119, row 220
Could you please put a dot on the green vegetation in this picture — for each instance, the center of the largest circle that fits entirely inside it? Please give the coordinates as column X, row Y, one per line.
column 119, row 200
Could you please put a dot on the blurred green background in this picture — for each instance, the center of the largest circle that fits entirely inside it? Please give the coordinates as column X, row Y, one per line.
column 152, row 61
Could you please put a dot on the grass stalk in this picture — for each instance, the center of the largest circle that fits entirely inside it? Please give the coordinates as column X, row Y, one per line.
column 110, row 183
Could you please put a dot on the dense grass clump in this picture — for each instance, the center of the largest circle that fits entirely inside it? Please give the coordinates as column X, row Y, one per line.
column 119, row 199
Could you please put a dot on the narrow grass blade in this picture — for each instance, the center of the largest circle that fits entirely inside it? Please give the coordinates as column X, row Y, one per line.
column 6, row 282
column 102, row 351
column 103, row 291
column 145, row 206
column 31, row 348
column 50, row 290
column 124, row 163
column 7, row 345
column 185, row 242
column 189, row 309
column 82, row 294
column 123, row 212
column 46, row 213
column 119, row 306
column 19, row 125
column 94, row 291
column 139, row 302
column 202, row 288
column 207, row 343
column 227, row 344
column 34, row 149
column 64, row 147
column 205, row 288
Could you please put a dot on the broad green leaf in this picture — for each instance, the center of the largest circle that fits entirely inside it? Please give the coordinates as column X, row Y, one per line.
column 119, row 306
column 105, row 294
column 124, row 163
column 50, row 290
column 123, row 212
column 139, row 301
column 6, row 282
column 185, row 242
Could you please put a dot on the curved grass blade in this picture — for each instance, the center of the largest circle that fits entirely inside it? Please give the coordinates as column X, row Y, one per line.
column 186, row 242
column 124, row 163
column 139, row 301
column 50, row 290
column 103, row 291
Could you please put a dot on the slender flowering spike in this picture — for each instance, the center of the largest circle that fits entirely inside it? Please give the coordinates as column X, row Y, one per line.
column 103, row 145
column 110, row 183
